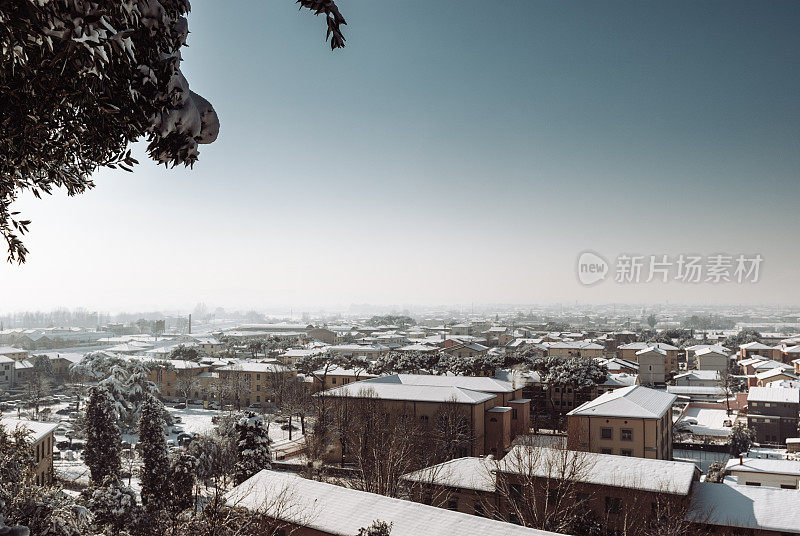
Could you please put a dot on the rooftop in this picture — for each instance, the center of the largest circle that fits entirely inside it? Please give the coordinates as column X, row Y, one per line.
column 465, row 473
column 475, row 383
column 38, row 429
column 602, row 469
column 418, row 393
column 773, row 394
column 747, row 507
column 634, row 401
column 760, row 465
column 343, row 511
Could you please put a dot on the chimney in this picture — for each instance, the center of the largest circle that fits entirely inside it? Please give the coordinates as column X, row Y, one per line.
column 741, row 460
column 190, row 323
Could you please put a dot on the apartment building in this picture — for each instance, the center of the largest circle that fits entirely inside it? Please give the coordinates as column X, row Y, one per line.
column 176, row 378
column 631, row 421
column 610, row 487
column 494, row 409
column 712, row 358
column 304, row 507
column 652, row 365
column 772, row 413
column 337, row 376
column 574, row 349
column 6, row 371
column 752, row 349
column 41, row 439
column 783, row 474
column 257, row 377
column 628, row 352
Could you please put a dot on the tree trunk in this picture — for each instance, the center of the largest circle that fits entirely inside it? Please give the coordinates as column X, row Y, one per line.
column 290, row 427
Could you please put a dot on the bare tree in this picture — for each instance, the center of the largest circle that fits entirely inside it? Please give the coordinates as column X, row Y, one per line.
column 186, row 383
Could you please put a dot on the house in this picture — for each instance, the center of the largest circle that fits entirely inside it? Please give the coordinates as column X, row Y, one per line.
column 62, row 363
column 41, row 437
column 6, row 372
column 603, row 482
column 616, row 365
column 774, row 375
column 772, row 413
column 370, row 352
column 631, row 421
column 16, row 354
column 303, row 507
column 290, row 356
column 755, row 348
column 23, row 372
column 698, row 378
column 324, row 335
column 757, row 510
column 628, row 352
column 784, row 474
column 652, row 365
column 494, row 409
column 573, row 349
column 712, row 358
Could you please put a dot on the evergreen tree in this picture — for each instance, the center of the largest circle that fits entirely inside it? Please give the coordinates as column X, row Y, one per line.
column 182, row 470
column 103, row 439
column 113, row 506
column 740, row 439
column 252, row 446
column 154, row 473
column 378, row 528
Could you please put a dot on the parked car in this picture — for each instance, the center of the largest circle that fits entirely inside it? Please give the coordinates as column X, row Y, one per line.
column 179, row 406
column 256, row 405
column 56, row 454
column 170, row 442
column 177, row 430
column 183, row 437
column 177, row 418
column 62, row 445
column 286, row 427
column 214, row 405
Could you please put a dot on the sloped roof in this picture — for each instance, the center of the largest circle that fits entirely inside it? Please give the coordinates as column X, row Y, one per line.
column 747, row 507
column 399, row 391
column 773, row 394
column 602, row 469
column 38, row 429
column 642, row 345
column 762, row 465
column 475, row 383
column 755, row 345
column 635, row 401
column 343, row 511
column 465, row 473
column 651, row 349
column 775, row 372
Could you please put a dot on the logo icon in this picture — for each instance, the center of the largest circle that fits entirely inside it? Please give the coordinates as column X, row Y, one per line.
column 592, row 268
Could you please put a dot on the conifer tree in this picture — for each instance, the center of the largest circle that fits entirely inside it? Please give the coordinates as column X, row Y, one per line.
column 182, row 470
column 252, row 446
column 154, row 473
column 103, row 439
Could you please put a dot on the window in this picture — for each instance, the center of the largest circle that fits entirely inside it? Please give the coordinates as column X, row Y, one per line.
column 515, row 491
column 606, row 433
column 788, row 486
column 613, row 505
column 478, row 510
column 258, row 399
column 514, row 413
column 606, row 451
column 626, row 452
column 258, row 387
column 452, row 504
column 258, row 376
column 752, row 483
column 626, row 434
column 333, row 381
column 582, row 497
column 423, row 418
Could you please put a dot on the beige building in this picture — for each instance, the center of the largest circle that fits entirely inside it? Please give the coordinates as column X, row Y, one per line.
column 574, row 349
column 16, row 354
column 41, row 439
column 252, row 381
column 629, row 351
column 631, row 421
column 494, row 409
column 652, row 365
column 711, row 358
column 783, row 474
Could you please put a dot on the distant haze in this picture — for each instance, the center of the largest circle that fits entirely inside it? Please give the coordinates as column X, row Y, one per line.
column 449, row 156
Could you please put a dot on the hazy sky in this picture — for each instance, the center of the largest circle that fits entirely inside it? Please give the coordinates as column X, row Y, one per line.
column 449, row 156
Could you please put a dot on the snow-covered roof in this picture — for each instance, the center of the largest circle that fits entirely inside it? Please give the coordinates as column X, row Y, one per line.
column 746, row 507
column 11, row 350
column 771, row 364
column 643, row 345
column 336, row 370
column 793, row 349
column 718, row 350
column 250, row 366
column 342, row 511
column 602, row 469
column 475, row 383
column 770, row 373
column 635, row 401
column 697, row 390
column 418, row 393
column 574, row 345
column 616, row 363
column 465, row 473
column 652, row 349
column 761, row 465
column 703, row 375
column 303, row 352
column 697, row 348
column 773, row 394
column 38, row 429
column 4, row 359
column 755, row 345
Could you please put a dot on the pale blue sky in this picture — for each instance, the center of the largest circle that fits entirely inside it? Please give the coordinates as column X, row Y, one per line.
column 449, row 156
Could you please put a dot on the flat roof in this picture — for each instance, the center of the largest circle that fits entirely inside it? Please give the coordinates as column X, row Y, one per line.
column 343, row 511
column 773, row 394
column 418, row 393
column 476, row 383
column 761, row 465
